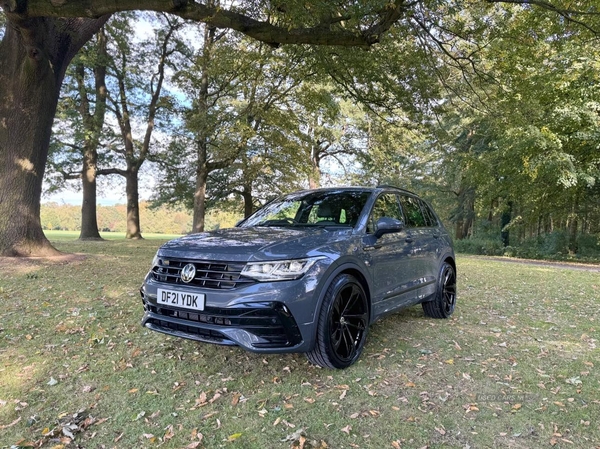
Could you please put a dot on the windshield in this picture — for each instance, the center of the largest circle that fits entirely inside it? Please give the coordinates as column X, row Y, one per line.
column 321, row 208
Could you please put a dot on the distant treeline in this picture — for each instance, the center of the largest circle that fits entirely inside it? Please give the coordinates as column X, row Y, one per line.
column 160, row 220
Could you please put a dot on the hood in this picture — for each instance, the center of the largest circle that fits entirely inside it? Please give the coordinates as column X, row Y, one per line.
column 251, row 244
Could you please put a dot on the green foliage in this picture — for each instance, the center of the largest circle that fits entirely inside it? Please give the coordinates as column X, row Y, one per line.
column 551, row 246
column 490, row 111
column 479, row 246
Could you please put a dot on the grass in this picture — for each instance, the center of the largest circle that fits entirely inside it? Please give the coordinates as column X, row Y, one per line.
column 516, row 366
column 71, row 235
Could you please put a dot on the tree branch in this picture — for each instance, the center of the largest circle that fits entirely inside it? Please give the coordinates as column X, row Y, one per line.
column 324, row 33
column 567, row 13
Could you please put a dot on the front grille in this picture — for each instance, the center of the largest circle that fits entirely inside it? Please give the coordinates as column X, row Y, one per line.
column 270, row 321
column 217, row 275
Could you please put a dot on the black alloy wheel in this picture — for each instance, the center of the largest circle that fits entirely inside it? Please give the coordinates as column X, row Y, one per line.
column 343, row 324
column 442, row 306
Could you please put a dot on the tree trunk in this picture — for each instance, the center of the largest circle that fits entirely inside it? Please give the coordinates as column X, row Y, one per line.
column 93, row 124
column 314, row 177
column 34, row 54
column 248, row 203
column 133, row 205
column 202, row 169
column 574, row 225
column 504, row 221
column 200, row 196
column 89, row 222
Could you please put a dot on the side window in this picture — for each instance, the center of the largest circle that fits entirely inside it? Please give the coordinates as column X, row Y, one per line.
column 430, row 218
column 412, row 212
column 385, row 206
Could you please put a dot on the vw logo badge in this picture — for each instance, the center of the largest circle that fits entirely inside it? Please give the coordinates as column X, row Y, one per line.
column 188, row 273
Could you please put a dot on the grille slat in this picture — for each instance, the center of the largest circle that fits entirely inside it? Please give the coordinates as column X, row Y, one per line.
column 209, row 274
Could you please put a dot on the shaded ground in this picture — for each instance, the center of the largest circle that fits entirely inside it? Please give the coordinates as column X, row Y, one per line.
column 23, row 265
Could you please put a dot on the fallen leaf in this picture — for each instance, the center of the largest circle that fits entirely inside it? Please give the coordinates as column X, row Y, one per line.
column 23, row 444
column 6, row 426
column 295, row 436
column 169, row 433
column 347, row 429
column 234, row 437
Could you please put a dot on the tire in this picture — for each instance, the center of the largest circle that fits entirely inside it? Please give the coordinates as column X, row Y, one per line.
column 444, row 302
column 342, row 325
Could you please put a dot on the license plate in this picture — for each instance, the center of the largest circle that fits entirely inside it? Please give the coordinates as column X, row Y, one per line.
column 185, row 300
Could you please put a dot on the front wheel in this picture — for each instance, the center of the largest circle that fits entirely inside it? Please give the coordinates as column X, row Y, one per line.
column 444, row 302
column 342, row 324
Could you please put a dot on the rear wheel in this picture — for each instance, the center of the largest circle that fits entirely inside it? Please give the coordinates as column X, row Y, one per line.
column 342, row 325
column 444, row 302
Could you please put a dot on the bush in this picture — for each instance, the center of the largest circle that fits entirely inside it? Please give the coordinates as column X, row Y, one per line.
column 588, row 245
column 480, row 246
column 553, row 246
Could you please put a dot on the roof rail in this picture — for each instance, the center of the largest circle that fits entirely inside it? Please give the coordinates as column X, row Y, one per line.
column 388, row 186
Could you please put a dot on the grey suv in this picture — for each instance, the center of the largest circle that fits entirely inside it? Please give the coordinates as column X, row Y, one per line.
column 308, row 272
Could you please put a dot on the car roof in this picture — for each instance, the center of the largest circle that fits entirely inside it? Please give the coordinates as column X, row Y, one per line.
column 379, row 188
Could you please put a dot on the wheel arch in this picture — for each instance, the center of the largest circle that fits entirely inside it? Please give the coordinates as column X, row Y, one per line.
column 450, row 259
column 343, row 268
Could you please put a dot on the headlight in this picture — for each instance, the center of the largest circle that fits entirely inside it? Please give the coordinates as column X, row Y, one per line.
column 154, row 261
column 279, row 270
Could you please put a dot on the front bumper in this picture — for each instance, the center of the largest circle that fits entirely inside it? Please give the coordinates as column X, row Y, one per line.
column 266, row 317
column 257, row 326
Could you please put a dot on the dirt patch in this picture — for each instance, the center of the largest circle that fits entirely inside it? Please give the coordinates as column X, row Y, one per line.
column 24, row 265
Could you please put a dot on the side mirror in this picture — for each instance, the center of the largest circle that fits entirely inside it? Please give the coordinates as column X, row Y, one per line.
column 387, row 225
